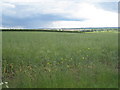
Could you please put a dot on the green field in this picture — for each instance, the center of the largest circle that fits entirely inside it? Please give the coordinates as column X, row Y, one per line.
column 60, row 60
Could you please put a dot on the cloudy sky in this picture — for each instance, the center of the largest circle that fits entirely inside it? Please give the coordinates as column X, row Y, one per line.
column 59, row 13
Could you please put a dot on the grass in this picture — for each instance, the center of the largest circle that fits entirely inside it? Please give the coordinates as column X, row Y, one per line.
column 60, row 60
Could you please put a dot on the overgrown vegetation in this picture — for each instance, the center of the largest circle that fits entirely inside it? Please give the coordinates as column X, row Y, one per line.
column 60, row 60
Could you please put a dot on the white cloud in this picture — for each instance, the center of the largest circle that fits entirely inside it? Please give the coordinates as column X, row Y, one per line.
column 4, row 28
column 13, row 1
column 8, row 9
column 72, row 9
column 8, row 5
column 18, row 27
column 96, row 17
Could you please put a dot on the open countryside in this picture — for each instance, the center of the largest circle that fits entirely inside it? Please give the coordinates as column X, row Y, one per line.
column 60, row 59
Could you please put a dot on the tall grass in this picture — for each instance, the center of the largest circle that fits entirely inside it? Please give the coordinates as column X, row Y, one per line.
column 60, row 60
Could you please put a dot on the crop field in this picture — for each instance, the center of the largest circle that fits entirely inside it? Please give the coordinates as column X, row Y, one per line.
column 60, row 60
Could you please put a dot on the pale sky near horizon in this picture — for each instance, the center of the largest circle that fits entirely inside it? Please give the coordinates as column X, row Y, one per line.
column 59, row 13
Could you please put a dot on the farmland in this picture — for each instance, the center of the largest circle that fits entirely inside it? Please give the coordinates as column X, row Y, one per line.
column 60, row 60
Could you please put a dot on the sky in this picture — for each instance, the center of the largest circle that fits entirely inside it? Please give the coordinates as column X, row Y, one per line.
column 58, row 13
